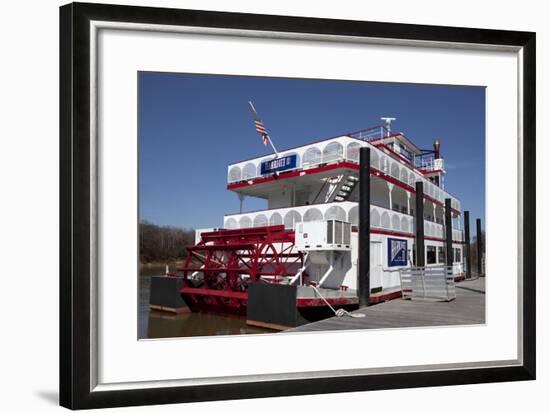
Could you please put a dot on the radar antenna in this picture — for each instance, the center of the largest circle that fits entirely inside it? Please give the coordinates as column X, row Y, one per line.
column 388, row 121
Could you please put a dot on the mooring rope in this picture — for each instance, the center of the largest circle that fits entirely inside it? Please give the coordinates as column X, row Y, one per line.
column 340, row 312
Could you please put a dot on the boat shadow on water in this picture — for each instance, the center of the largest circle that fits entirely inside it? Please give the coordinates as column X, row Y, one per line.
column 195, row 324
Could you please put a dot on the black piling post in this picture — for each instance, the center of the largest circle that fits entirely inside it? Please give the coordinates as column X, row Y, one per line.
column 468, row 254
column 363, row 273
column 419, row 219
column 479, row 246
column 449, row 233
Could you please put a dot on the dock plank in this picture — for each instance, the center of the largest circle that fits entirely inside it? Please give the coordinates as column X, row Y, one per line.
column 467, row 308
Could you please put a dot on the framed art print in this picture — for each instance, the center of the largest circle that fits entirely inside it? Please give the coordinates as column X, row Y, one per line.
column 257, row 206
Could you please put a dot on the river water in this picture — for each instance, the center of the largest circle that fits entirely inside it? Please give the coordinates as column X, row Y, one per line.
column 159, row 324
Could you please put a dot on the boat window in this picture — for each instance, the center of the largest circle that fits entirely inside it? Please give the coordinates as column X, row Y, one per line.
column 458, row 255
column 235, row 174
column 396, row 223
column 384, row 164
column 430, row 254
column 404, row 175
column 352, row 151
column 404, row 224
column 335, row 212
column 245, row 222
column 333, row 152
column 411, row 179
column 394, row 170
column 291, row 218
column 260, row 220
column 374, row 218
column 311, row 157
column 249, row 171
column 385, row 220
column 276, row 219
column 313, row 214
column 374, row 159
column 231, row 223
column 441, row 255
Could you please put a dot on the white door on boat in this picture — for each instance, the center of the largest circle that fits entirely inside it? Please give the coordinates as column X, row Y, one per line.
column 375, row 264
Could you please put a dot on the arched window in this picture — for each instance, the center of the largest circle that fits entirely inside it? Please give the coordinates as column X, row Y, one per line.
column 352, row 151
column 430, row 189
column 412, row 179
column 334, row 151
column 384, row 164
column 404, row 175
column 245, row 222
column 276, row 219
column 405, row 224
column 374, row 160
column 312, row 156
column 249, row 171
column 335, row 212
column 231, row 223
column 291, row 218
column 313, row 214
column 394, row 170
column 395, row 222
column 385, row 221
column 260, row 220
column 235, row 174
column 374, row 218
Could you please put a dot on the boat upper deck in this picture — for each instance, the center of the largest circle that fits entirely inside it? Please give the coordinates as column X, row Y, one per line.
column 404, row 164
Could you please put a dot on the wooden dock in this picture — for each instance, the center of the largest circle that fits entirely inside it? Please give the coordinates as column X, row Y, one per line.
column 467, row 308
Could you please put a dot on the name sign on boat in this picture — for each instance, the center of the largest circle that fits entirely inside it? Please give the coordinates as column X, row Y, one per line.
column 279, row 164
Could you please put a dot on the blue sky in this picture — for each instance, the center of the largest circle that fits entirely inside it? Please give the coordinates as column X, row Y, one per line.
column 192, row 126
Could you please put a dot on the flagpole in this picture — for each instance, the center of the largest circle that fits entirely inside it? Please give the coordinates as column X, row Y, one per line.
column 268, row 137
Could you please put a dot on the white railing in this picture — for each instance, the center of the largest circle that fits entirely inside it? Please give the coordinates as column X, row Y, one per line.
column 339, row 149
column 289, row 217
column 347, row 211
column 386, row 219
column 381, row 218
column 433, row 229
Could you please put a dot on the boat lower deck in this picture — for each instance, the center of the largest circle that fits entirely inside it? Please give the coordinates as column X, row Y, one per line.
column 467, row 308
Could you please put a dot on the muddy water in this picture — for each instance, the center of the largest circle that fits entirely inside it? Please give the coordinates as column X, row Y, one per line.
column 157, row 324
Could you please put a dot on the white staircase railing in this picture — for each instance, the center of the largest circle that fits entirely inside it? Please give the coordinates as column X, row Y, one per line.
column 341, row 188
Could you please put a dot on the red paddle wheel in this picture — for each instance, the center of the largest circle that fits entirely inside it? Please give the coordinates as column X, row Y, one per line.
column 218, row 270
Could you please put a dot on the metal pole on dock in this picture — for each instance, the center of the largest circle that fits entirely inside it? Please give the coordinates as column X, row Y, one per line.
column 479, row 247
column 419, row 220
column 448, row 233
column 467, row 240
column 363, row 273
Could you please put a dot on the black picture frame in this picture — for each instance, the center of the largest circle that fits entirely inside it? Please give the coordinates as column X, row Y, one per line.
column 75, row 220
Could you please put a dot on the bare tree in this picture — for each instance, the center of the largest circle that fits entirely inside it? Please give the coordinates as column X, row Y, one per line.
column 163, row 243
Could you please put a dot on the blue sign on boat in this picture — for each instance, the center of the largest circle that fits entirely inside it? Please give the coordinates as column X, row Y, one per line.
column 279, row 164
column 397, row 252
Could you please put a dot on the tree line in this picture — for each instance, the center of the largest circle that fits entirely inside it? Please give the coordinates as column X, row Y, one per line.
column 163, row 243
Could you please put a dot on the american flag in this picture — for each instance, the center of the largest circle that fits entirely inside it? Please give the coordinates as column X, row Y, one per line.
column 260, row 128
